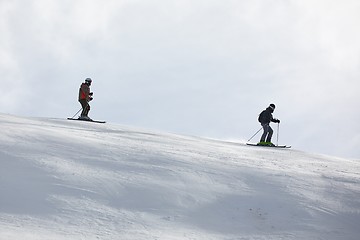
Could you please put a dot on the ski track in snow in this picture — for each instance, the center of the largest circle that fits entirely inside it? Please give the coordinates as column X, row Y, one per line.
column 64, row 179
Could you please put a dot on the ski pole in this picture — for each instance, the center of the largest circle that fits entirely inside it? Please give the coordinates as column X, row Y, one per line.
column 255, row 134
column 77, row 113
column 277, row 138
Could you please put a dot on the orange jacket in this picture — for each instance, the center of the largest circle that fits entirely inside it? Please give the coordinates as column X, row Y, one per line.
column 84, row 92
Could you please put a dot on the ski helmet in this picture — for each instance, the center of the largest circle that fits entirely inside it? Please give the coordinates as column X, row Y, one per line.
column 88, row 80
column 272, row 106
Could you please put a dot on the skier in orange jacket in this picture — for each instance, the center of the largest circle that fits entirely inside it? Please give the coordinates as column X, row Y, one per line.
column 85, row 96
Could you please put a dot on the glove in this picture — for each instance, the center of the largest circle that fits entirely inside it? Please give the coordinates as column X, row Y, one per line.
column 91, row 93
column 90, row 99
column 275, row 120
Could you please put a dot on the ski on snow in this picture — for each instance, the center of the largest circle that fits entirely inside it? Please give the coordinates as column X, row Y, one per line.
column 84, row 120
column 268, row 146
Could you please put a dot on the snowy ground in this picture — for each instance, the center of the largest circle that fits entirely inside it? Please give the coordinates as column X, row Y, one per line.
column 63, row 179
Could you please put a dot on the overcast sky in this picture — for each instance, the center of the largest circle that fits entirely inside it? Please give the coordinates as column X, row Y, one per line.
column 197, row 67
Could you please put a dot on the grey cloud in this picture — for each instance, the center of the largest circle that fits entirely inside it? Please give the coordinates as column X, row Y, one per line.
column 193, row 67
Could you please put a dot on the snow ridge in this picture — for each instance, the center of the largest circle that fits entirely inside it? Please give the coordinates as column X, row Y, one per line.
column 64, row 179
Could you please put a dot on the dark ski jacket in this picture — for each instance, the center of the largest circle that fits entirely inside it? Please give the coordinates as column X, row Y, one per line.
column 266, row 116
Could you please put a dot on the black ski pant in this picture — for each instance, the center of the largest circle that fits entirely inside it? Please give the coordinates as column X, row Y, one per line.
column 268, row 132
column 85, row 106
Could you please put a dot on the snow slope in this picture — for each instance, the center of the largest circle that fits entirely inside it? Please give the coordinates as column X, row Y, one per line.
column 64, row 179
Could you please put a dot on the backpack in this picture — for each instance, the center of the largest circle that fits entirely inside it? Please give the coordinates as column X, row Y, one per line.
column 261, row 116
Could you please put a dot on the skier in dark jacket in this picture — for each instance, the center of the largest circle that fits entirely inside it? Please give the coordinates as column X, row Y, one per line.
column 265, row 118
column 85, row 96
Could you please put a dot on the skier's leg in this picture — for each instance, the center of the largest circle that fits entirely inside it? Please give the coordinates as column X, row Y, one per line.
column 84, row 106
column 263, row 136
column 270, row 131
column 87, row 109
